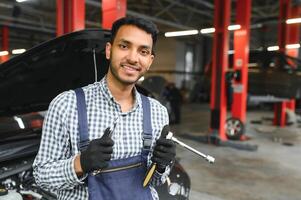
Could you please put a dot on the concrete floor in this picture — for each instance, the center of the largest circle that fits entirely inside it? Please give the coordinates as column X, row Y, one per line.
column 273, row 172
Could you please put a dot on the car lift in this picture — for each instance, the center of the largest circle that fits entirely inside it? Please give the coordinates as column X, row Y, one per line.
column 287, row 34
column 218, row 102
column 4, row 43
column 70, row 16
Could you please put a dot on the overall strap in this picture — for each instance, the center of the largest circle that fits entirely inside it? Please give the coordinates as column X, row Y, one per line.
column 83, row 122
column 82, row 118
column 147, row 126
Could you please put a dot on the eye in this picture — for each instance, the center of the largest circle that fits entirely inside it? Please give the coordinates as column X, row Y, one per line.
column 123, row 46
column 145, row 52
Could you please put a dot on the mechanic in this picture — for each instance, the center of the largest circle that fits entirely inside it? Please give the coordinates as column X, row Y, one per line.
column 63, row 167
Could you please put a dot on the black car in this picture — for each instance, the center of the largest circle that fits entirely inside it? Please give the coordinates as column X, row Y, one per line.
column 28, row 83
column 274, row 73
column 272, row 77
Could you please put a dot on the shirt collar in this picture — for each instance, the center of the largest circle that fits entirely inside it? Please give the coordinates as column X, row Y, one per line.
column 108, row 95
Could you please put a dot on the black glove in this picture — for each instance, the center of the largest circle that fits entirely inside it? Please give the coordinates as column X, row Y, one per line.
column 164, row 152
column 97, row 154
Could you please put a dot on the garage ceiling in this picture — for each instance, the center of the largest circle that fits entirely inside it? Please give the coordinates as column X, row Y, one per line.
column 33, row 21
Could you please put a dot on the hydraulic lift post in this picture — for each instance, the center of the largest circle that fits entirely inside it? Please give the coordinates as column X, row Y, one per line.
column 219, row 67
column 70, row 16
column 111, row 11
column 5, row 42
column 283, row 35
column 241, row 59
column 293, row 38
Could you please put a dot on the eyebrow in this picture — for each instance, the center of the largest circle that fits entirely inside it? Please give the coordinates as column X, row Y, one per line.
column 128, row 42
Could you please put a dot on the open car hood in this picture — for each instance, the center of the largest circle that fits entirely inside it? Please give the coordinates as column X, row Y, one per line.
column 29, row 81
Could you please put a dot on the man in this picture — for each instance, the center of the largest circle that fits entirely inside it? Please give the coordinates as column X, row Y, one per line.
column 113, row 102
column 173, row 95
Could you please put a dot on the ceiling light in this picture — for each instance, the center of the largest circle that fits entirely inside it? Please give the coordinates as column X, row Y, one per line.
column 181, row 33
column 18, row 51
column 292, row 46
column 141, row 79
column 273, row 48
column 231, row 52
column 19, row 121
column 3, row 53
column 293, row 21
column 19, row 1
column 212, row 30
column 207, row 30
column 234, row 27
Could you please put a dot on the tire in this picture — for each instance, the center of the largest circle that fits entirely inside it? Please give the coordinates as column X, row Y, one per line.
column 234, row 128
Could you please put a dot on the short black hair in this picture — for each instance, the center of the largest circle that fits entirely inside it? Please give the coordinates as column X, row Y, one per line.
column 141, row 23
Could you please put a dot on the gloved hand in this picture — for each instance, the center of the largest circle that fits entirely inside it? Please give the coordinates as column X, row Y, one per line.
column 97, row 154
column 164, row 151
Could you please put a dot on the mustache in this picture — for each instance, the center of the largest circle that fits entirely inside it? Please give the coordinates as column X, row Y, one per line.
column 130, row 65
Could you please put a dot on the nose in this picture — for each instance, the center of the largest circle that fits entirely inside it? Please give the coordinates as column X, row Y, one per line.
column 132, row 56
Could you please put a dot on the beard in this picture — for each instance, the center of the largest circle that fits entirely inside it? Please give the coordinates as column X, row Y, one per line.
column 115, row 74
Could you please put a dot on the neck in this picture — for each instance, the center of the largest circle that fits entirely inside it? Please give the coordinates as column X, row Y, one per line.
column 122, row 93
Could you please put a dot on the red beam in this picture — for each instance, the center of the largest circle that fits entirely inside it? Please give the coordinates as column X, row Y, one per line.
column 70, row 16
column 294, row 34
column 111, row 11
column 283, row 36
column 284, row 13
column 279, row 114
column 5, row 42
column 219, row 67
column 241, row 59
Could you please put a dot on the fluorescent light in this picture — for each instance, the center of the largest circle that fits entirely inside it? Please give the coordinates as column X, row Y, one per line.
column 292, row 46
column 293, row 21
column 212, row 30
column 19, row 1
column 3, row 53
column 19, row 121
column 273, row 48
column 181, row 33
column 252, row 26
column 18, row 51
column 207, row 30
column 288, row 46
column 231, row 52
column 234, row 27
column 141, row 79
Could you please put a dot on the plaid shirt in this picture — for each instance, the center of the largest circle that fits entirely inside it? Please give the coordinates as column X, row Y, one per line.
column 54, row 164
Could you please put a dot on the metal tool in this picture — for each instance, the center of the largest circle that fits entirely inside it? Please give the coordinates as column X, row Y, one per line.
column 151, row 170
column 111, row 131
column 209, row 158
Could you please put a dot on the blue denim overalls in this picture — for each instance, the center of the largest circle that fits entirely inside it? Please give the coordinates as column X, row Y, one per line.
column 123, row 179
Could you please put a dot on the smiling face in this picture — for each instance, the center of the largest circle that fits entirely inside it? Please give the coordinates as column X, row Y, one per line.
column 130, row 55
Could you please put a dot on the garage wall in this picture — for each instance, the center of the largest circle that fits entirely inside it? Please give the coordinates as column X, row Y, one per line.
column 165, row 59
column 170, row 57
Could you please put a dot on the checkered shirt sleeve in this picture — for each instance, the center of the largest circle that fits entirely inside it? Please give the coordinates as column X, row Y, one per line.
column 54, row 163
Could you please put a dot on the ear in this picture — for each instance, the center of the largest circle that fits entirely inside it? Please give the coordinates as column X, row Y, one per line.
column 108, row 50
column 150, row 61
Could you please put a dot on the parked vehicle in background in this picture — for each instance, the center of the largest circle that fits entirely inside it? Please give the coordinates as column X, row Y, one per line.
column 272, row 77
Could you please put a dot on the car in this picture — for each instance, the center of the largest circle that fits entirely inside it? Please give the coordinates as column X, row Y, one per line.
column 28, row 83
column 275, row 74
column 272, row 77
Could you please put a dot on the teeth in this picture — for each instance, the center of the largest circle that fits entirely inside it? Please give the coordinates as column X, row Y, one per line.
column 129, row 67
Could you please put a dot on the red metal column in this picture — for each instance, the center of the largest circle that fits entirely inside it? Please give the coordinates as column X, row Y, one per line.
column 293, row 38
column 5, row 41
column 70, row 16
column 219, row 67
column 241, row 59
column 279, row 108
column 111, row 11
